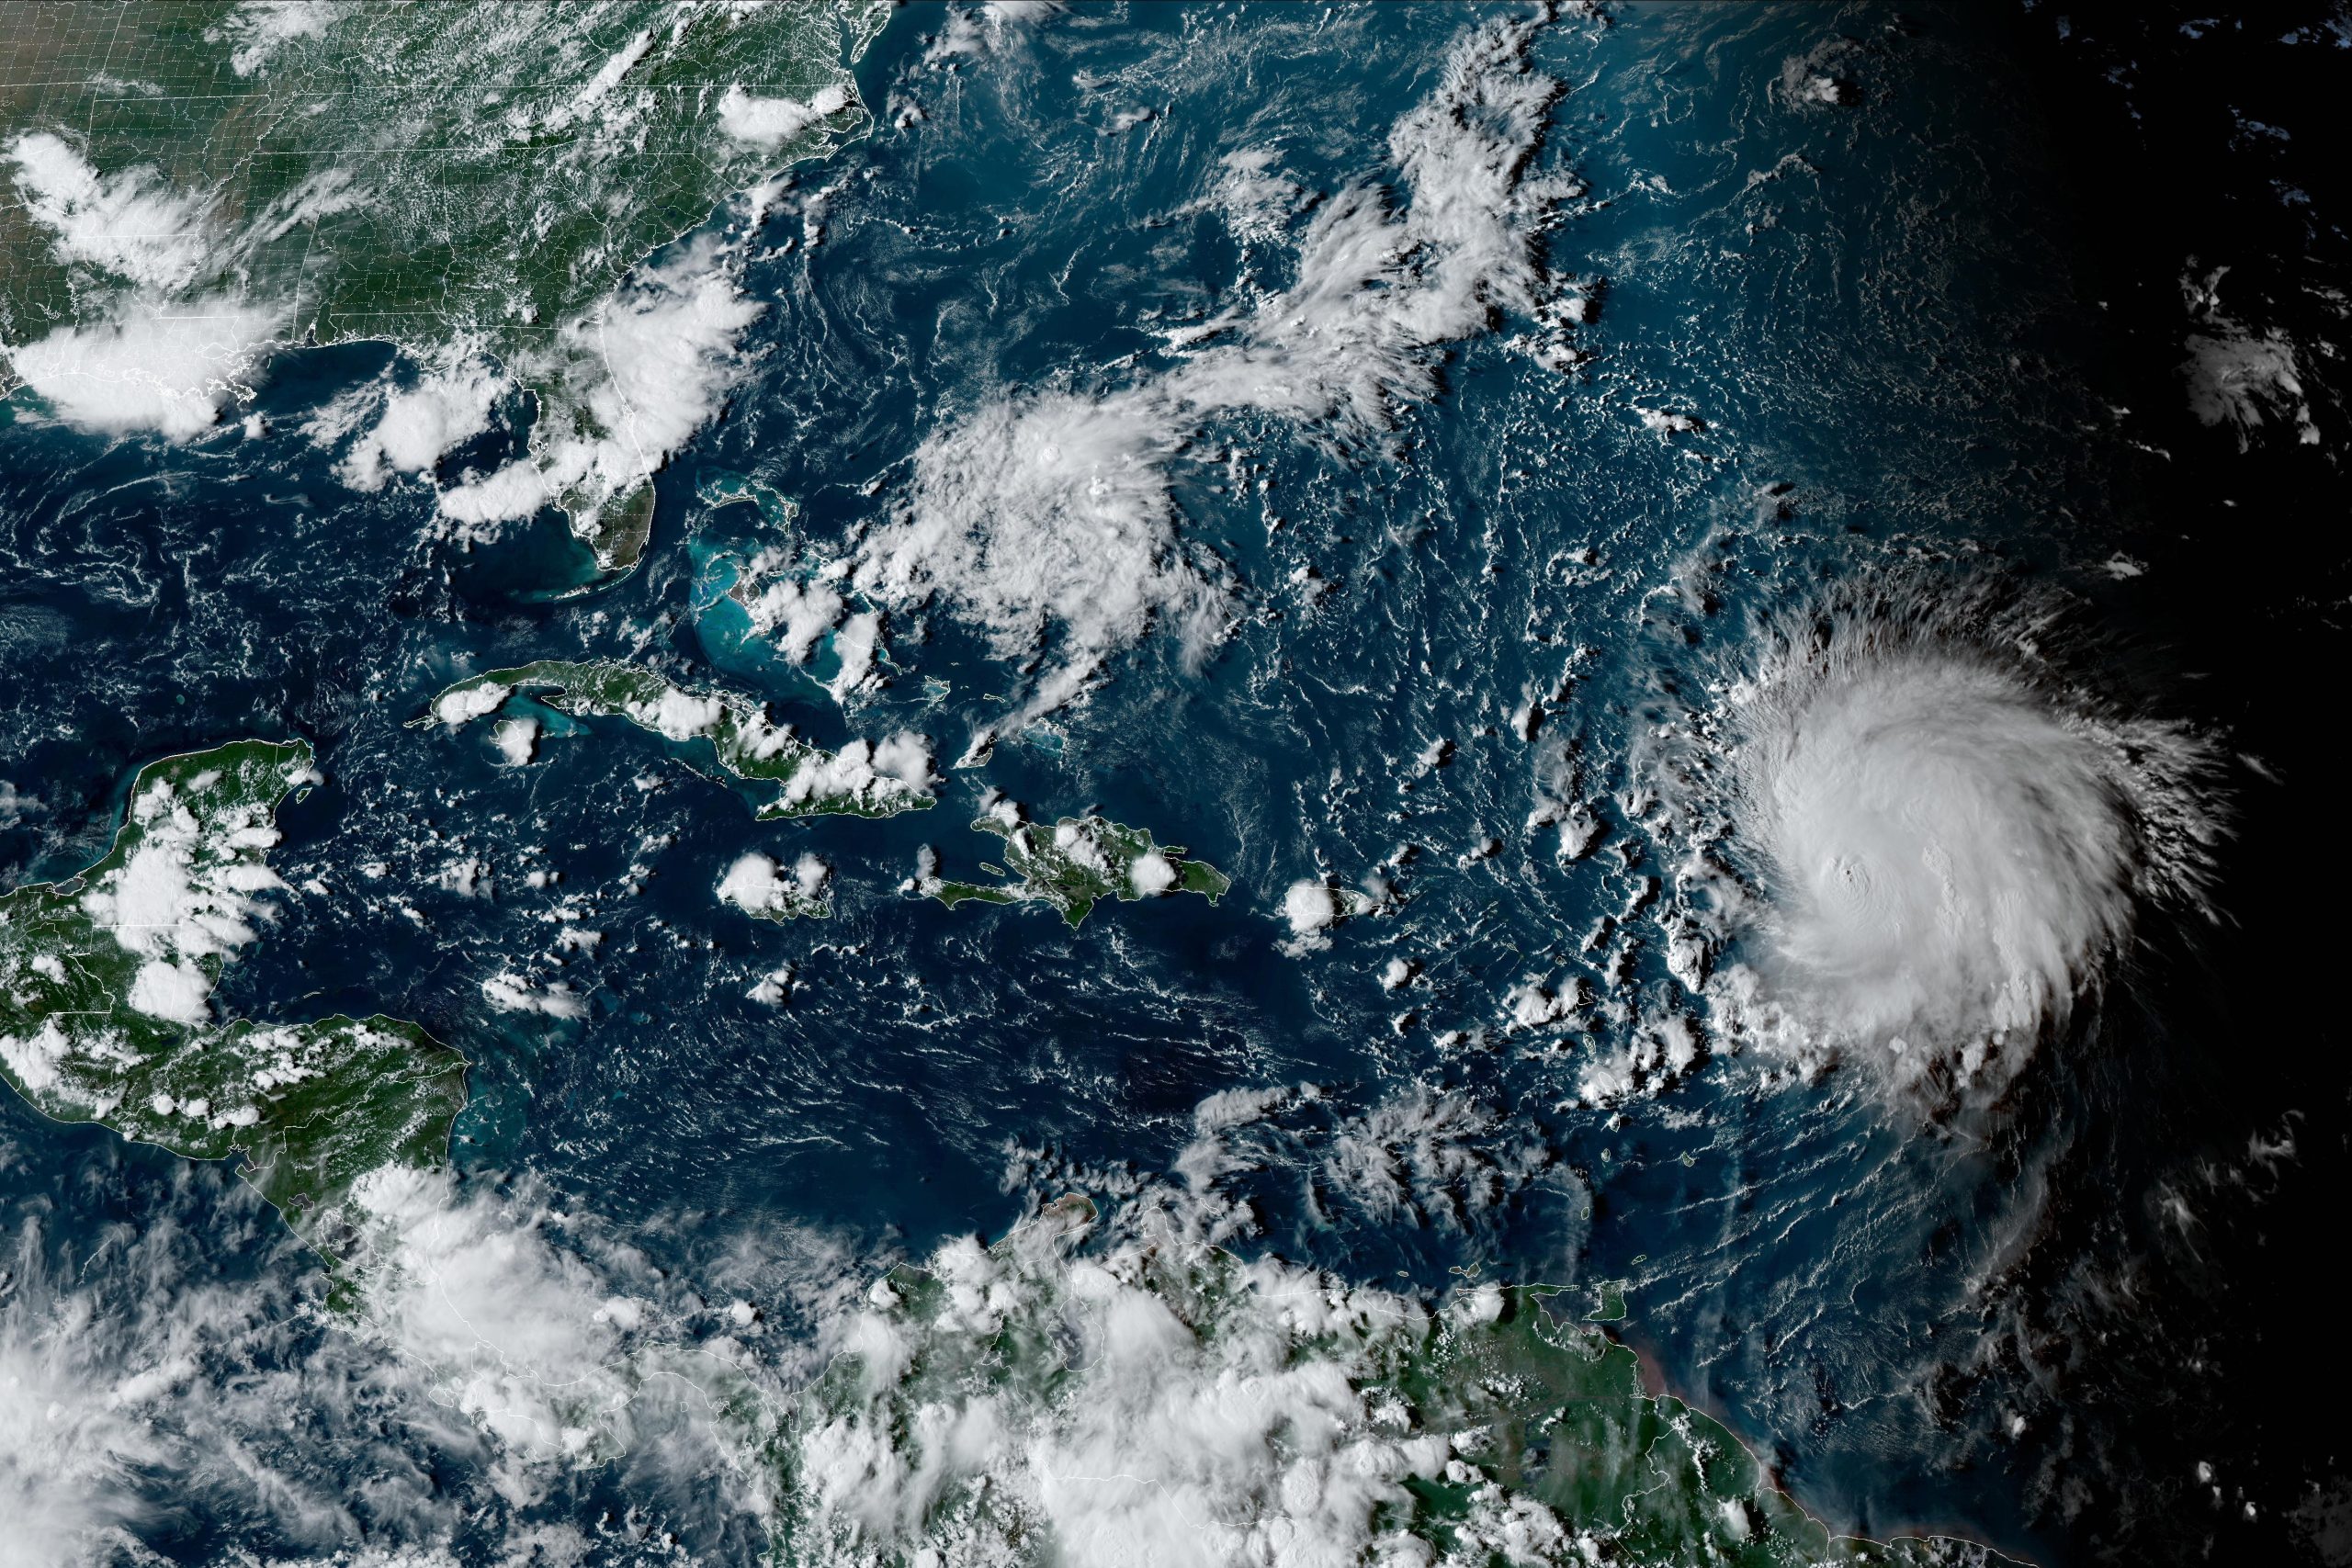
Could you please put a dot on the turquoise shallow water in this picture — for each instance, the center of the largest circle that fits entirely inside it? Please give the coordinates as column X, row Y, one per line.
column 1880, row 322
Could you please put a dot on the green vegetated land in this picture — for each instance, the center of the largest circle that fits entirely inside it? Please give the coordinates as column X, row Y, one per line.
column 106, row 1017
column 1081, row 861
column 718, row 488
column 729, row 730
column 1509, row 1432
column 1566, row 1421
column 414, row 171
column 432, row 175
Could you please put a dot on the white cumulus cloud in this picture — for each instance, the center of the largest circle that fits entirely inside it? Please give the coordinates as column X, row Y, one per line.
column 1053, row 512
column 635, row 377
column 447, row 405
column 770, row 122
column 168, row 368
column 131, row 224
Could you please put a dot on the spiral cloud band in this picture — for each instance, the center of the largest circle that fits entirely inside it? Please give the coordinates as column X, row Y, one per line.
column 1945, row 844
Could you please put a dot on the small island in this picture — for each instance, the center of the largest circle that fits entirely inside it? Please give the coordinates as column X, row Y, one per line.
column 863, row 779
column 106, row 1009
column 766, row 891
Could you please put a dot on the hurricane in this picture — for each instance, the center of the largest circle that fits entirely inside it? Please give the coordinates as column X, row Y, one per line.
column 1001, row 781
column 1953, row 839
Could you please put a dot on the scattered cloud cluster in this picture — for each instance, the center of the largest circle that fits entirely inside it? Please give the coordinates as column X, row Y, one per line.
column 1053, row 512
column 1175, row 1445
column 494, row 1333
column 756, row 884
column 1108, row 1386
column 510, row 992
column 771, row 122
column 185, row 895
column 178, row 332
column 165, row 355
column 2238, row 376
column 169, row 367
column 415, row 426
column 632, row 380
column 134, row 225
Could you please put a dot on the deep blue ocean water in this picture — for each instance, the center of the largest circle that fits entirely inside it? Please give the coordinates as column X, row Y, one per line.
column 1872, row 309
